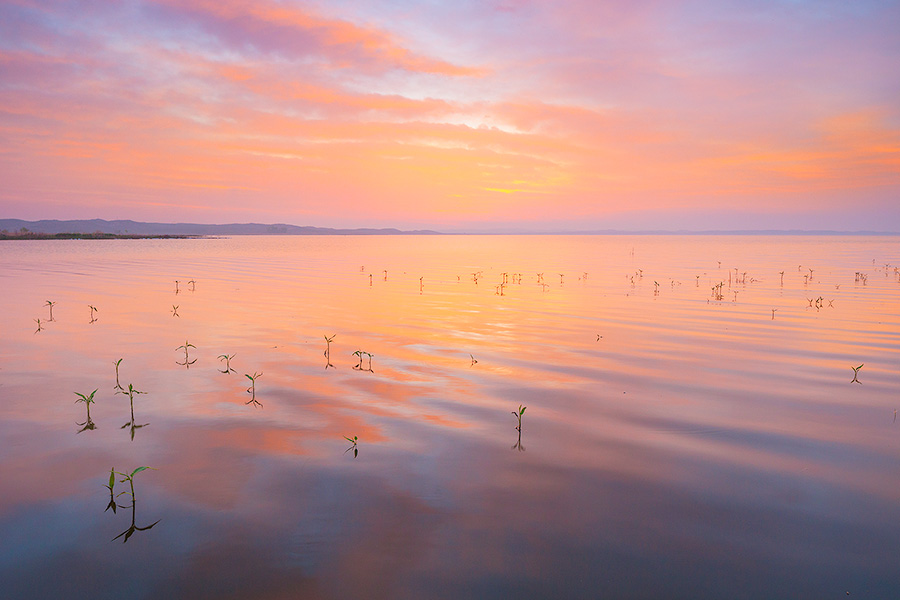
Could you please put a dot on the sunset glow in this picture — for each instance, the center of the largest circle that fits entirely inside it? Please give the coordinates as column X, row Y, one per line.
column 509, row 115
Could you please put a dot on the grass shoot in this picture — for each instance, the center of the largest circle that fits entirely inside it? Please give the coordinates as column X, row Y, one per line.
column 187, row 362
column 88, row 399
column 252, row 389
column 353, row 445
column 131, row 424
column 328, row 350
column 518, row 414
column 50, row 304
column 130, row 479
column 227, row 358
column 110, row 486
column 359, row 366
column 856, row 373
column 93, row 310
column 118, row 385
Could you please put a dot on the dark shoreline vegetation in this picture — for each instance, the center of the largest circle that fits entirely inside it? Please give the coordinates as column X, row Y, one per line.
column 97, row 235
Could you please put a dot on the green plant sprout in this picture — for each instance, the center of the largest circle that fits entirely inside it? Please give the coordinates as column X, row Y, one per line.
column 773, row 313
column 93, row 310
column 131, row 424
column 227, row 360
column 38, row 321
column 359, row 366
column 87, row 399
column 252, row 389
column 50, row 304
column 856, row 373
column 118, row 385
column 518, row 415
column 112, row 498
column 130, row 479
column 193, row 284
column 176, row 287
column 187, row 362
column 353, row 445
column 175, row 311
column 328, row 351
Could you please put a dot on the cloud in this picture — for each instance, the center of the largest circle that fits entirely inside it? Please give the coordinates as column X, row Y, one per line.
column 289, row 31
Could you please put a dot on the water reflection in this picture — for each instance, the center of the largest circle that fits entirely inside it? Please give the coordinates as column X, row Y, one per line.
column 518, row 445
column 697, row 420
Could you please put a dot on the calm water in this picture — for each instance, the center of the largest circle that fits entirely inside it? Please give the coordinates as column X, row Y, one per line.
column 675, row 445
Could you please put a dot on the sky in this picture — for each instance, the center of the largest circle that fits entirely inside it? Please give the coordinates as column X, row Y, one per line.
column 470, row 115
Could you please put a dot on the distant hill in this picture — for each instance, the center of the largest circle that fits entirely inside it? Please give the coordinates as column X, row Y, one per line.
column 139, row 228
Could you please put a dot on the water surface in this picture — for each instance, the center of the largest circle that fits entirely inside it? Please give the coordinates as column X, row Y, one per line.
column 681, row 440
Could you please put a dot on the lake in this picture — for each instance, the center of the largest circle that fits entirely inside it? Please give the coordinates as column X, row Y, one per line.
column 691, row 428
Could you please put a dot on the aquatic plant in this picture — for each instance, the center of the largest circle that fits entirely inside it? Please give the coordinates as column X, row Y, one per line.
column 38, row 321
column 131, row 424
column 187, row 363
column 112, row 498
column 133, row 527
column 328, row 350
column 176, row 287
column 773, row 313
column 50, row 304
column 193, row 284
column 353, row 446
column 93, row 310
column 118, row 385
column 518, row 414
column 227, row 360
column 175, row 311
column 126, row 477
column 88, row 399
column 359, row 366
column 856, row 373
column 252, row 389
column 474, row 361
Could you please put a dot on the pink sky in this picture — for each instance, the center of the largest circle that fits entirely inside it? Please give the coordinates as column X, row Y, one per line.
column 467, row 115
